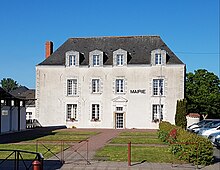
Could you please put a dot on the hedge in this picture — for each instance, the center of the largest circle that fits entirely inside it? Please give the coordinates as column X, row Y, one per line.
column 185, row 145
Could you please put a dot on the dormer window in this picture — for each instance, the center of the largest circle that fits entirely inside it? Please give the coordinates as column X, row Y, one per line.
column 96, row 58
column 158, row 57
column 72, row 58
column 120, row 57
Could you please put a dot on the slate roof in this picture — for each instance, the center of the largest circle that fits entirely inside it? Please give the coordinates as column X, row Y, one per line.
column 138, row 47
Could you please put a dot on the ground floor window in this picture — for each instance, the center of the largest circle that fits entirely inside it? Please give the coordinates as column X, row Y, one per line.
column 157, row 112
column 95, row 112
column 71, row 112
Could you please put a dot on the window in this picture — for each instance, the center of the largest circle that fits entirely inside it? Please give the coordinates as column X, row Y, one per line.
column 95, row 85
column 95, row 60
column 158, row 59
column 95, row 112
column 158, row 88
column 157, row 112
column 119, row 109
column 71, row 87
column 72, row 60
column 71, row 112
column 119, row 60
column 119, row 85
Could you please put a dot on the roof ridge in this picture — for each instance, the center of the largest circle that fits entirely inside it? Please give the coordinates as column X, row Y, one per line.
column 126, row 36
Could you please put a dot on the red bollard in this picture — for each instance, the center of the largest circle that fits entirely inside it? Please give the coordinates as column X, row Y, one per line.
column 36, row 165
column 129, row 154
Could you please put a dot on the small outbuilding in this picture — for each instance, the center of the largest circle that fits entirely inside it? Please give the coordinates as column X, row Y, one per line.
column 12, row 113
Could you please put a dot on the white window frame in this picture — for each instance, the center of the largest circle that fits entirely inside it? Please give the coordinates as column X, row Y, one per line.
column 157, row 112
column 96, row 86
column 158, row 87
column 96, row 60
column 72, row 87
column 119, row 59
column 72, row 60
column 120, row 85
column 71, row 112
column 158, row 59
column 95, row 112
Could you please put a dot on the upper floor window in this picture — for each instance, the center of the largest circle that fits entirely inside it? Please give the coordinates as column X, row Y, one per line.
column 71, row 87
column 120, row 57
column 96, row 60
column 95, row 112
column 158, row 87
column 95, row 85
column 71, row 112
column 158, row 57
column 120, row 86
column 72, row 58
column 157, row 112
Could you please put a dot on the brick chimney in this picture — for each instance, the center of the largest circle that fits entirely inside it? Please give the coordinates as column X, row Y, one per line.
column 48, row 48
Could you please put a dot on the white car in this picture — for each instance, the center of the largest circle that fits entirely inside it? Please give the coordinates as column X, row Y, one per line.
column 207, row 131
column 198, row 124
column 212, row 137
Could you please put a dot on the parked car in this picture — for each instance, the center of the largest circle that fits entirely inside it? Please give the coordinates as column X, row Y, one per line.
column 206, row 126
column 212, row 128
column 217, row 142
column 212, row 137
column 199, row 124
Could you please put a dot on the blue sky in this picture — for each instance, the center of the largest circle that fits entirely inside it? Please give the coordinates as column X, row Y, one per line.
column 189, row 27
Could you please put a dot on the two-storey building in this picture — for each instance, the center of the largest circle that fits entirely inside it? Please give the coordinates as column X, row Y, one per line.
column 109, row 82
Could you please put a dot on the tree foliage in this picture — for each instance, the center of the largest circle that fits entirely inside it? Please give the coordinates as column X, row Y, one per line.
column 8, row 84
column 203, row 93
column 181, row 111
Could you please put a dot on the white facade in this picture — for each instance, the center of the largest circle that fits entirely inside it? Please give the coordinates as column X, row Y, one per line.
column 120, row 95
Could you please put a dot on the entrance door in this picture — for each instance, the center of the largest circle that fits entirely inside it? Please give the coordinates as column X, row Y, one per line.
column 119, row 120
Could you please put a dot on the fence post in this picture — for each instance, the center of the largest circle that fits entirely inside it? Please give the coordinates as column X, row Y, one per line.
column 37, row 165
column 129, row 154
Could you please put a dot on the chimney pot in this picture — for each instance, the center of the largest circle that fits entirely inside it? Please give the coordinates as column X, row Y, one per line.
column 48, row 48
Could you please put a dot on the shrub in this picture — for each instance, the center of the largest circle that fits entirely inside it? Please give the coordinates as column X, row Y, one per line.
column 187, row 146
column 180, row 117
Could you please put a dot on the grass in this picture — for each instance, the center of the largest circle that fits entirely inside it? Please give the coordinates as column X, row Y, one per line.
column 55, row 147
column 138, row 153
column 135, row 140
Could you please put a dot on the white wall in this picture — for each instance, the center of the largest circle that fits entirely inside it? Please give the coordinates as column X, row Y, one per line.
column 52, row 100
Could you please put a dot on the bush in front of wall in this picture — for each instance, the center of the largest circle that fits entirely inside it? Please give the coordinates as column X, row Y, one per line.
column 180, row 117
column 187, row 146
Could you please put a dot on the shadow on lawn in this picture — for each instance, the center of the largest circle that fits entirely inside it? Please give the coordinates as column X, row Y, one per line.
column 29, row 134
column 138, row 163
column 47, row 165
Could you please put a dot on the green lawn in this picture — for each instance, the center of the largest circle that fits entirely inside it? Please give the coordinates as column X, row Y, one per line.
column 49, row 141
column 146, row 153
column 138, row 154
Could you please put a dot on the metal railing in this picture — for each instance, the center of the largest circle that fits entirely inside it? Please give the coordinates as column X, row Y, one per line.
column 17, row 157
column 72, row 146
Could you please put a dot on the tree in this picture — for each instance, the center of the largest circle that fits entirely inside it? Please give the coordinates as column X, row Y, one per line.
column 181, row 111
column 8, row 84
column 203, row 93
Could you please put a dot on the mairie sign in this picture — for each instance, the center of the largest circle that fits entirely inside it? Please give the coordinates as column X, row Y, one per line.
column 138, row 91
